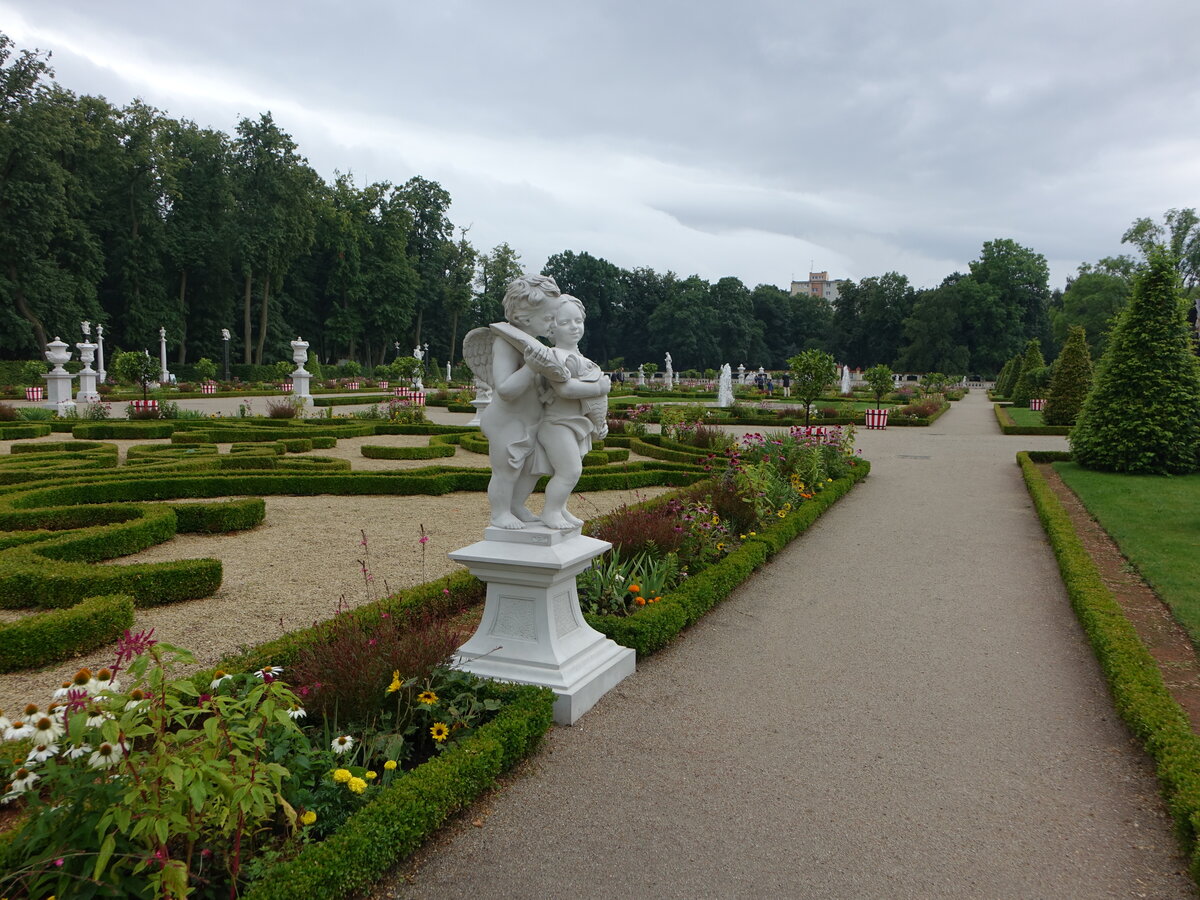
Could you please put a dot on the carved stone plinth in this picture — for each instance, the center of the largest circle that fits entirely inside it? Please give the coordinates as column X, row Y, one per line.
column 533, row 631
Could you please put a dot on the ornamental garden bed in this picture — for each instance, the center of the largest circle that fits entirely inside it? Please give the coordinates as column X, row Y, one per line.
column 71, row 501
column 1018, row 420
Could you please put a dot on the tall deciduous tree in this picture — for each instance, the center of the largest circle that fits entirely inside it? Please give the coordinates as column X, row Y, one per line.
column 496, row 269
column 812, row 372
column 1143, row 414
column 868, row 319
column 1091, row 301
column 597, row 283
column 275, row 193
column 1022, row 277
column 430, row 246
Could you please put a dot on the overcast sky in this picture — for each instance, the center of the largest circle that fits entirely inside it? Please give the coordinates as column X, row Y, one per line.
column 754, row 139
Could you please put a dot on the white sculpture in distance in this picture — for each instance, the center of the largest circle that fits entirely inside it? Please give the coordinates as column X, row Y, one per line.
column 725, row 386
column 845, row 379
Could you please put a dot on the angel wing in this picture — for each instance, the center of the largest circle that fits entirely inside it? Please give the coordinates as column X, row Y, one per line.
column 477, row 351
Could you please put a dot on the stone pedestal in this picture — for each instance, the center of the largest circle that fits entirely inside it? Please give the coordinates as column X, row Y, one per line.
column 483, row 397
column 533, row 631
column 58, row 379
column 87, row 375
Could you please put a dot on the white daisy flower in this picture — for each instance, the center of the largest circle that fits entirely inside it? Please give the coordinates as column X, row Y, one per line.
column 41, row 753
column 269, row 672
column 47, row 729
column 342, row 744
column 23, row 780
column 297, row 713
column 61, row 693
column 4, row 723
column 106, row 757
column 103, row 681
column 96, row 717
column 136, row 699
column 218, row 676
column 77, row 752
column 17, row 730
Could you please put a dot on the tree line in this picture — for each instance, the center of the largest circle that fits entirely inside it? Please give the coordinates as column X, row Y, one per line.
column 130, row 217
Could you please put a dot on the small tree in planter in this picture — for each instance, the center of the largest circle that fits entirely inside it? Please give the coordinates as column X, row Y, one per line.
column 404, row 368
column 1027, row 382
column 880, row 382
column 31, row 377
column 135, row 367
column 1071, row 380
column 205, row 369
column 812, row 372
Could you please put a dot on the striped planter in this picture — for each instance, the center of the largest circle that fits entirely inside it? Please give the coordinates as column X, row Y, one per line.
column 1037, row 405
column 877, row 418
column 37, row 392
column 286, row 387
column 208, row 387
column 411, row 396
column 352, row 386
column 143, row 404
column 383, row 385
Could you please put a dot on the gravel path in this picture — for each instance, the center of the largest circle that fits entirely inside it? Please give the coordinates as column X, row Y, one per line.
column 901, row 705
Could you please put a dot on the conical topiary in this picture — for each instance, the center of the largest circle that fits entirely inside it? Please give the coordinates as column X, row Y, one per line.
column 1004, row 379
column 1026, row 382
column 1071, row 381
column 1143, row 413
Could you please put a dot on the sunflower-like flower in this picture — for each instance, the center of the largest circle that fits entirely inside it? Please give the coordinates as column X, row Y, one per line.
column 439, row 732
column 396, row 682
column 427, row 697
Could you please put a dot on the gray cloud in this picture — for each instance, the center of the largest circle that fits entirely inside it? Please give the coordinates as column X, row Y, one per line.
column 698, row 136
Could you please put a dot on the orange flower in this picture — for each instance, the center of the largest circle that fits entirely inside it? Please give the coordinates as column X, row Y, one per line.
column 633, row 588
column 640, row 601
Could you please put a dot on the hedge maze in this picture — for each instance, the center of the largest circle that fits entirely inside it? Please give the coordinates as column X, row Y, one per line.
column 69, row 508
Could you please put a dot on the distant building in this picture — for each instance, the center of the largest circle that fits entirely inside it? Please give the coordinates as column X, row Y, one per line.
column 818, row 285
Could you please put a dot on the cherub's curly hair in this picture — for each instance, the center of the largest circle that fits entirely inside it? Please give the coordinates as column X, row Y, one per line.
column 526, row 294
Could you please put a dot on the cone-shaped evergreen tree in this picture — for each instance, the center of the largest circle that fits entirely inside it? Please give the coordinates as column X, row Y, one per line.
column 1032, row 362
column 1071, row 381
column 1004, row 379
column 1143, row 413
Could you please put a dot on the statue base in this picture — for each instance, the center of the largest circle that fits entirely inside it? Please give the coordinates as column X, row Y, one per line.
column 532, row 630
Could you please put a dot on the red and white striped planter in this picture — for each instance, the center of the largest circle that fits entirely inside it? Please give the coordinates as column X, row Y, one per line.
column 1037, row 405
column 411, row 396
column 383, row 385
column 208, row 387
column 143, row 404
column 286, row 387
column 37, row 392
column 352, row 386
column 877, row 418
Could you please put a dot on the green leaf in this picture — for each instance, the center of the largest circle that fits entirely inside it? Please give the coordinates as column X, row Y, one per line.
column 107, row 847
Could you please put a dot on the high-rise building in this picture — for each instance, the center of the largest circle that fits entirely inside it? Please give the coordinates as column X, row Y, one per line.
column 818, row 285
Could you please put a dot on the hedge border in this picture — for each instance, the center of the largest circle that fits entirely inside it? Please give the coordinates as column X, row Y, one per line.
column 59, row 634
column 1138, row 691
column 1008, row 426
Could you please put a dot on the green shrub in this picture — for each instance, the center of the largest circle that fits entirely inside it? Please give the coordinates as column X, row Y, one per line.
column 59, row 634
column 1071, row 381
column 1143, row 413
column 431, row 452
column 1026, row 384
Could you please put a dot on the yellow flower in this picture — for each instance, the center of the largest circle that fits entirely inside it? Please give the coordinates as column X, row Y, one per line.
column 390, row 765
column 720, row 546
column 439, row 731
column 341, row 776
column 829, row 479
column 370, row 776
column 396, row 682
column 716, row 520
column 753, row 533
column 357, row 785
column 427, row 697
column 308, row 818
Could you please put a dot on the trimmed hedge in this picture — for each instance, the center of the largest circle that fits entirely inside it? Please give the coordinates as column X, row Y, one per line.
column 219, row 518
column 62, row 633
column 1138, row 691
column 408, row 810
column 433, row 451
column 21, row 432
column 112, row 431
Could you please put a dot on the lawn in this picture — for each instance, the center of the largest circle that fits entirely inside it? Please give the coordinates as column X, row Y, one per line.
column 1022, row 416
column 1155, row 520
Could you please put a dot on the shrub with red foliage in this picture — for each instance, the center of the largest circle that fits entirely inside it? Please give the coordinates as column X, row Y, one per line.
column 345, row 673
column 633, row 530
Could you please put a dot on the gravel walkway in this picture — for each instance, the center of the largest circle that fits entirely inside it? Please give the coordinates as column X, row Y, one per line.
column 901, row 705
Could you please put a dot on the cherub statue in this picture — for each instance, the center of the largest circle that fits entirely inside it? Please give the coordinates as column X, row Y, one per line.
column 498, row 355
column 576, row 410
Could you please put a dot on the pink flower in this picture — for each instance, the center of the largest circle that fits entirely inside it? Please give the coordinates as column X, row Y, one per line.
column 424, row 539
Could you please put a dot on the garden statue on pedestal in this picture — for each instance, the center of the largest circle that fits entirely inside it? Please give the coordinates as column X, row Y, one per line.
column 725, row 387
column 547, row 405
column 669, row 374
column 641, row 382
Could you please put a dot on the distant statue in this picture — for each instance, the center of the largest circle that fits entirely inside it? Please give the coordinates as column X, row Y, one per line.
column 225, row 334
column 576, row 402
column 87, row 328
column 725, row 386
column 499, row 355
column 418, row 353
